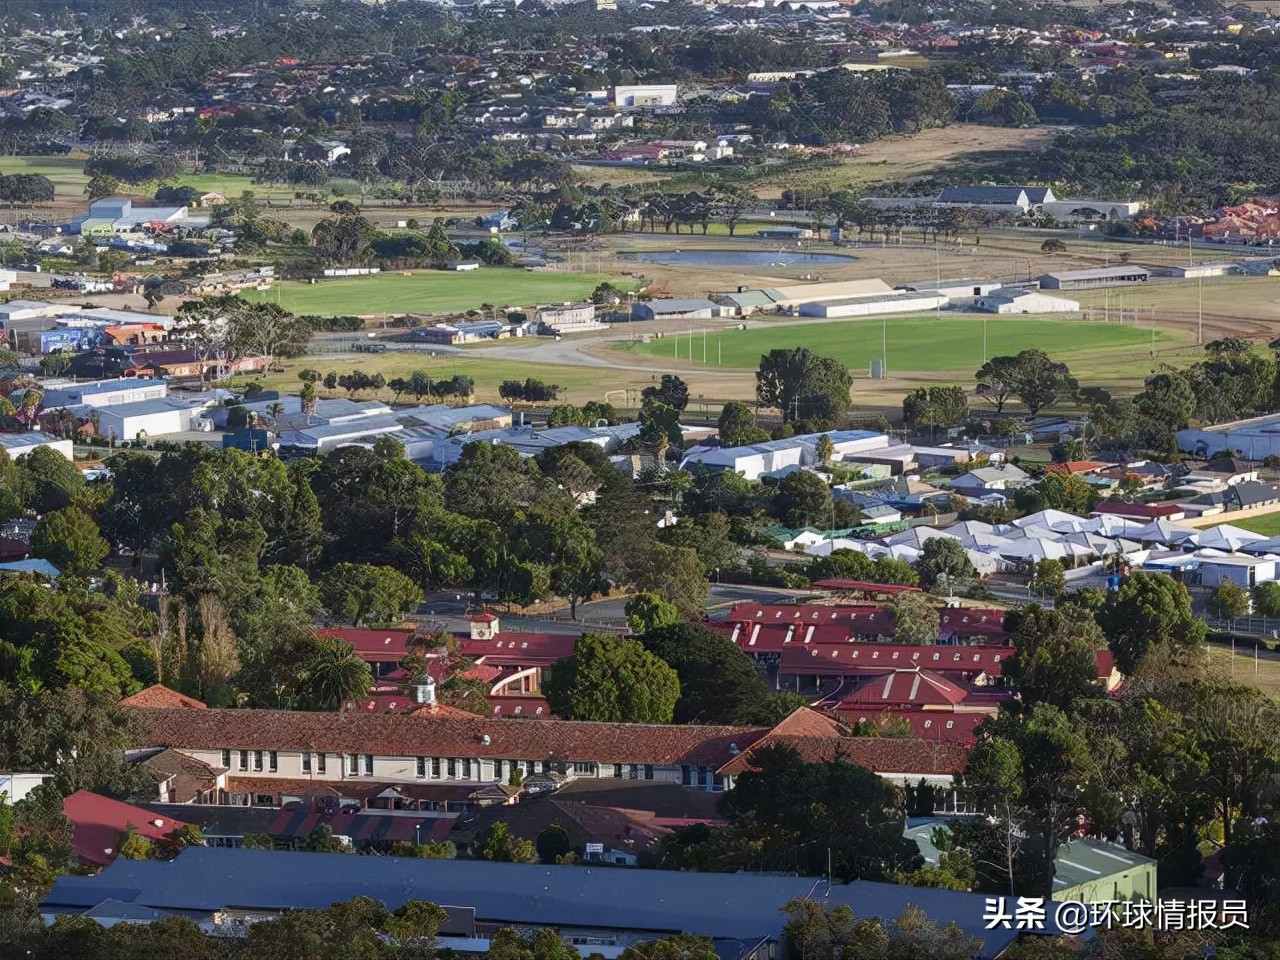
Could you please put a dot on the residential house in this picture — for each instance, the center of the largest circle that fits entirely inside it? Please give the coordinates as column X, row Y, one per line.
column 985, row 479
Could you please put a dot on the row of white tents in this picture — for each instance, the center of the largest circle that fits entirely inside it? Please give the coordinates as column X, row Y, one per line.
column 1057, row 535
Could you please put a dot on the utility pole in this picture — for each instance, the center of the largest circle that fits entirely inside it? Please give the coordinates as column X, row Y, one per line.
column 1200, row 311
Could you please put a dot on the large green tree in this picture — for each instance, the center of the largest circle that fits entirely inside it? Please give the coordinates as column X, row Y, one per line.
column 612, row 679
column 718, row 682
column 1056, row 655
column 362, row 593
column 70, row 540
column 803, row 385
column 1149, row 610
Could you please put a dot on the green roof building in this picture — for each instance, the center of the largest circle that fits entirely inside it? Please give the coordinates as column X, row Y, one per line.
column 1085, row 870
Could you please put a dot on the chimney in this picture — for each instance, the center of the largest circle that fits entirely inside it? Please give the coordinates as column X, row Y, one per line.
column 484, row 627
column 486, row 739
column 733, row 750
column 426, row 692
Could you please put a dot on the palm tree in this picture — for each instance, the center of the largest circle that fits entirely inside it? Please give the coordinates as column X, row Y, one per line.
column 332, row 675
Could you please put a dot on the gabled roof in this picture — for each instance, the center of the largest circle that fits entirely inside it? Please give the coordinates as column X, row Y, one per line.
column 910, row 686
column 158, row 696
column 98, row 822
column 400, row 735
column 186, row 776
column 887, row 756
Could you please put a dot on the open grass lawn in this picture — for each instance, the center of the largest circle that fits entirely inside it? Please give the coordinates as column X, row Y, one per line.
column 917, row 344
column 1264, row 673
column 1268, row 524
column 430, row 291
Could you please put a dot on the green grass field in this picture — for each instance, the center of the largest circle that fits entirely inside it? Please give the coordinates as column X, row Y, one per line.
column 67, row 174
column 917, row 344
column 1268, row 524
column 430, row 291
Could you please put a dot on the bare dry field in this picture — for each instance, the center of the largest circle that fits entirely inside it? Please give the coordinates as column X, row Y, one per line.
column 961, row 145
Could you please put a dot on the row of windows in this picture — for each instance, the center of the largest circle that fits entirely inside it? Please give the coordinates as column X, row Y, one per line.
column 701, row 776
column 252, row 760
column 434, row 768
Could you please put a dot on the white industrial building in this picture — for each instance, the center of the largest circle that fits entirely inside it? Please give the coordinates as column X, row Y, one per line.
column 1243, row 571
column 874, row 306
column 570, row 318
column 1014, row 300
column 1200, row 271
column 104, row 393
column 20, row 444
column 781, row 456
column 958, row 289
column 144, row 419
column 1253, row 439
column 644, row 95
column 674, row 309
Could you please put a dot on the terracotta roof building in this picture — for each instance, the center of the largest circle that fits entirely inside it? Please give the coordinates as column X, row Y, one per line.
column 158, row 696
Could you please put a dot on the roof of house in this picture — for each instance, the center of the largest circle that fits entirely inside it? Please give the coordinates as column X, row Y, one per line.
column 887, row 756
column 158, row 696
column 909, row 686
column 1139, row 511
column 934, row 725
column 206, row 879
column 395, row 734
column 1077, row 467
column 98, row 822
column 1009, row 195
column 680, row 306
column 186, row 776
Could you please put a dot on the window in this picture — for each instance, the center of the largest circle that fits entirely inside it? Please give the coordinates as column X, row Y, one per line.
column 368, row 764
column 226, row 759
column 686, row 775
column 320, row 762
column 422, row 768
column 353, row 764
column 435, row 767
column 466, row 769
column 306, row 761
column 585, row 768
column 648, row 771
column 718, row 783
column 453, row 769
column 273, row 761
column 617, row 770
column 950, row 724
column 702, row 776
column 257, row 761
column 244, row 759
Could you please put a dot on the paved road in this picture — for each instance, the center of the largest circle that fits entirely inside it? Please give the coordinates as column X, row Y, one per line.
column 450, row 610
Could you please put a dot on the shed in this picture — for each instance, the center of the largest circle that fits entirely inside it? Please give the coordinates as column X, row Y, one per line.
column 1099, row 277
column 675, row 310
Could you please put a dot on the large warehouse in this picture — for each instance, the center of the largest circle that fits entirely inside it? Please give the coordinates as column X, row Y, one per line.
column 874, row 306
column 20, row 444
column 1013, row 300
column 147, row 418
column 676, row 310
column 1099, row 277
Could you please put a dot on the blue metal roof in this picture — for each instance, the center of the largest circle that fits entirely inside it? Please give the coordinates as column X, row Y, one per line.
column 204, row 879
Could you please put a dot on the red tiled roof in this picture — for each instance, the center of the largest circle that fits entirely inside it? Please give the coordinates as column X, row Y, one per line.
column 521, row 707
column 765, row 627
column 400, row 735
column 843, row 658
column 376, row 645
column 883, row 755
column 520, row 649
column 99, row 821
column 159, row 697
column 806, row 722
column 908, row 687
column 938, row 725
